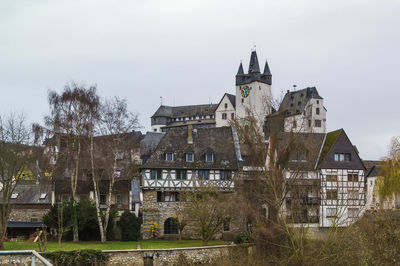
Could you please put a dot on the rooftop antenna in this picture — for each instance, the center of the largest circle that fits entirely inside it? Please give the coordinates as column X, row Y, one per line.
column 294, row 87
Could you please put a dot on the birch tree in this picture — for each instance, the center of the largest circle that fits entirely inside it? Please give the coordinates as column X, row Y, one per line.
column 68, row 120
column 115, row 121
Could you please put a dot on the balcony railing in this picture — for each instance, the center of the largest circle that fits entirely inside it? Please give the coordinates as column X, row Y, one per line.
column 18, row 257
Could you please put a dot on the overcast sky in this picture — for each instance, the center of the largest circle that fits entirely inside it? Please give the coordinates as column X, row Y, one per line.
column 188, row 52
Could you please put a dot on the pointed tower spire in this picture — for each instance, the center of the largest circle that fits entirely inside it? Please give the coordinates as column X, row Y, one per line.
column 240, row 71
column 254, row 67
column 266, row 69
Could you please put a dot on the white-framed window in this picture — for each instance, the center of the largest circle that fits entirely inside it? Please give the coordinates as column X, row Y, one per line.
column 331, row 212
column 169, row 156
column 209, row 157
column 204, row 174
column 190, row 157
column 14, row 195
column 342, row 157
column 317, row 123
column 353, row 212
column 224, row 116
column 353, row 194
column 43, row 195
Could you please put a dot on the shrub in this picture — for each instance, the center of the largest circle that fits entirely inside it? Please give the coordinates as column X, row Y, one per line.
column 130, row 226
column 87, row 220
column 241, row 238
column 78, row 257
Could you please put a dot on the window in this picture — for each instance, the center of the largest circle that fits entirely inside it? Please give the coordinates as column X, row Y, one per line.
column 189, row 157
column 317, row 111
column 331, row 194
column 120, row 155
column 103, row 199
column 117, row 173
column 331, row 178
column 317, row 123
column 224, row 116
column 353, row 194
column 169, row 156
column 242, row 100
column 227, row 225
column 226, row 105
column 225, row 175
column 155, row 174
column 232, row 116
column 181, row 174
column 170, row 226
column 43, row 196
column 317, row 101
column 119, row 199
column 352, row 177
column 353, row 212
column 209, row 157
column 14, row 195
column 342, row 157
column 167, row 196
column 204, row 174
column 331, row 212
column 371, row 182
column 294, row 124
column 309, row 123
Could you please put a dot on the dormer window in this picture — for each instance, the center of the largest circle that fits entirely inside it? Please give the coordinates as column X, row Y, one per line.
column 169, row 156
column 209, row 157
column 190, row 157
column 14, row 195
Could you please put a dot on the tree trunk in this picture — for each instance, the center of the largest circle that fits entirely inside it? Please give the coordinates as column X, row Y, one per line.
column 74, row 182
column 96, row 193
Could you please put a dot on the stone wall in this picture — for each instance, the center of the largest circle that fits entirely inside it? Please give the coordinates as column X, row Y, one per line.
column 28, row 214
column 169, row 257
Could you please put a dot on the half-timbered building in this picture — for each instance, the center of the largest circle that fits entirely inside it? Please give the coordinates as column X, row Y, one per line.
column 184, row 159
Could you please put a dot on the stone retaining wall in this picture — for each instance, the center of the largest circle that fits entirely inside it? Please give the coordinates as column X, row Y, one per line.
column 169, row 257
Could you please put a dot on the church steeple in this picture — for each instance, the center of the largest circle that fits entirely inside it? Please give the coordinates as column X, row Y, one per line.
column 240, row 71
column 254, row 67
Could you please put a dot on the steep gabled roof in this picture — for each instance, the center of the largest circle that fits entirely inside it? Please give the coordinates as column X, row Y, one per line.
column 338, row 142
column 218, row 140
column 231, row 98
column 254, row 67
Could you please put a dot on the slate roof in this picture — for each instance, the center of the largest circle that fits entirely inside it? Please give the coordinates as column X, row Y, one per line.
column 218, row 141
column 294, row 102
column 338, row 142
column 149, row 143
column 371, row 163
column 374, row 171
column 29, row 193
column 307, row 144
column 254, row 73
column 232, row 98
column 185, row 111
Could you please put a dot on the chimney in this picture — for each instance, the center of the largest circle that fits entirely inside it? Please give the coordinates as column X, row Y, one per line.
column 190, row 134
column 288, row 91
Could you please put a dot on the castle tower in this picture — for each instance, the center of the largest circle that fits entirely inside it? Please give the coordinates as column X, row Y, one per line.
column 253, row 90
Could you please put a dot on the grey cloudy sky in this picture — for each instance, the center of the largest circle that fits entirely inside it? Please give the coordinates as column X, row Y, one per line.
column 188, row 52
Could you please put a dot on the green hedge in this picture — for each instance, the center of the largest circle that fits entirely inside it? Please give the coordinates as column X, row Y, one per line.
column 78, row 257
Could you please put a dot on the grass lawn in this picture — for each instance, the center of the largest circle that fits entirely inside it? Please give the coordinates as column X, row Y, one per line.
column 145, row 244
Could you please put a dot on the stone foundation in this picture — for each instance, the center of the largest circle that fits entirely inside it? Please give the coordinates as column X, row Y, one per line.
column 169, row 257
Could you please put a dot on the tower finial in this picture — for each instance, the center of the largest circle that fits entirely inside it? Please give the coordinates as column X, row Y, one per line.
column 161, row 100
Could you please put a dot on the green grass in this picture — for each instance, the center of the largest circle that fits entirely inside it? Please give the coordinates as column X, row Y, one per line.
column 111, row 245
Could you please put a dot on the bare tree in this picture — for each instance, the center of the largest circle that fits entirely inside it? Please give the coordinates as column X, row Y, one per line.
column 208, row 208
column 115, row 121
column 70, row 114
column 15, row 156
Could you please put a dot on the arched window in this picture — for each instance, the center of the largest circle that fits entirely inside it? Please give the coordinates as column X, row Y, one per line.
column 170, row 226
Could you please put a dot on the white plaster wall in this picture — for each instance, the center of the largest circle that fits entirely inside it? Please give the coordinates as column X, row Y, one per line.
column 309, row 114
column 373, row 201
column 219, row 122
column 157, row 128
column 259, row 101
